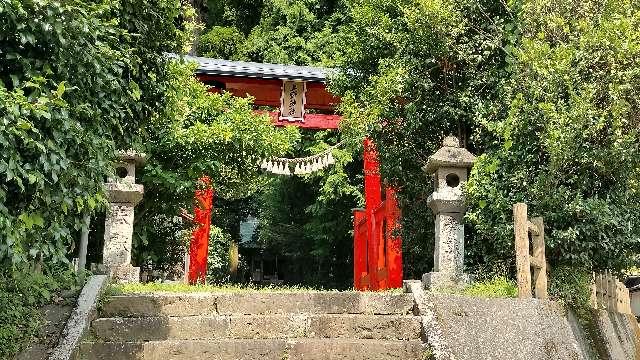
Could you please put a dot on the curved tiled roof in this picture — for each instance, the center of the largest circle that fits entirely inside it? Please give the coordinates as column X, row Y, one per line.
column 258, row 70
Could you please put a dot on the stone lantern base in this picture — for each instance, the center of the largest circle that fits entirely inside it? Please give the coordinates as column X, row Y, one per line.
column 444, row 280
column 125, row 273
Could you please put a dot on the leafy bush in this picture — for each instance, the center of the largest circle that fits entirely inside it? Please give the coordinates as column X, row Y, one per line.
column 219, row 257
column 220, row 42
column 21, row 295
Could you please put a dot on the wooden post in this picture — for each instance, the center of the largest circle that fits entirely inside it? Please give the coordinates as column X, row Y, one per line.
column 611, row 291
column 602, row 291
column 593, row 299
column 610, row 294
column 84, row 241
column 523, row 265
column 538, row 252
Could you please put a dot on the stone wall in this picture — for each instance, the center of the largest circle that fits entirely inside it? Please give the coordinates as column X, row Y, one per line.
column 471, row 328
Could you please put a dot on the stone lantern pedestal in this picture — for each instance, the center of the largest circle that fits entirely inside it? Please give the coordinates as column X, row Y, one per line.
column 123, row 195
column 449, row 167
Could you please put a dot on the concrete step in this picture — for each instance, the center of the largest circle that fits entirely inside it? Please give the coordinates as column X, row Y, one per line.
column 292, row 349
column 145, row 305
column 392, row 327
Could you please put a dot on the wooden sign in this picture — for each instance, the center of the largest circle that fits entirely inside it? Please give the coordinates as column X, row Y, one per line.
column 292, row 100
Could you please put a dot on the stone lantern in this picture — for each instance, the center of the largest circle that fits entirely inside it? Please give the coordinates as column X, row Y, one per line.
column 123, row 195
column 449, row 167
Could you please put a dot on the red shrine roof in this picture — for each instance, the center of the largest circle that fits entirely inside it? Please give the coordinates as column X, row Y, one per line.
column 258, row 70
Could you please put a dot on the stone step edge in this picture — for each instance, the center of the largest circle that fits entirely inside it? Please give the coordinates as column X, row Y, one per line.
column 355, row 326
column 286, row 341
column 186, row 304
column 272, row 315
column 275, row 349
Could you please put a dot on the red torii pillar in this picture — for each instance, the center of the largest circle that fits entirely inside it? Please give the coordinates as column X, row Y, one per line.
column 372, row 199
column 199, row 246
column 394, row 241
column 377, row 248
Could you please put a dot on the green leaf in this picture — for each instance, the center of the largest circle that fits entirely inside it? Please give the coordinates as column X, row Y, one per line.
column 61, row 89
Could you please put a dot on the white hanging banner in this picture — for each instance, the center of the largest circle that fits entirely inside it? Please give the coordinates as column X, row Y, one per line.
column 292, row 100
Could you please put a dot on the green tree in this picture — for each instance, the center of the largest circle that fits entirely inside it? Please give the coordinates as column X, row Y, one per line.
column 78, row 79
column 277, row 31
column 568, row 146
column 295, row 32
column 220, row 42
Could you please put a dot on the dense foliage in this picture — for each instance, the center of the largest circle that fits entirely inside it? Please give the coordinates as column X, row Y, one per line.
column 547, row 92
column 77, row 79
column 276, row 31
column 219, row 257
column 569, row 144
column 416, row 71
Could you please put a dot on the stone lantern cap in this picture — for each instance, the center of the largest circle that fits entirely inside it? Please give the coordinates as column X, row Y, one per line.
column 130, row 155
column 449, row 155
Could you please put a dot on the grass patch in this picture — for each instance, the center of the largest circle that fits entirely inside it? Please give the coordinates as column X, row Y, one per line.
column 497, row 287
column 156, row 287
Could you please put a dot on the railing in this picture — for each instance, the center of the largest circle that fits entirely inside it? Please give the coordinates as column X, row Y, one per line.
column 523, row 227
column 609, row 293
column 377, row 248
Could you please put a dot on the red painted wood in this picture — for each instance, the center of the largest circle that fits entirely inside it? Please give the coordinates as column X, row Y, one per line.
column 266, row 92
column 199, row 246
column 372, row 199
column 359, row 250
column 393, row 239
column 311, row 121
column 377, row 248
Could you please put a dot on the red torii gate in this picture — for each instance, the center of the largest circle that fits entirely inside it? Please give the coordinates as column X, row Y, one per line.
column 377, row 248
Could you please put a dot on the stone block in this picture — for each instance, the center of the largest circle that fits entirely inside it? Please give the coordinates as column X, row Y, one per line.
column 355, row 349
column 444, row 280
column 143, row 305
column 387, row 327
column 161, row 328
column 187, row 350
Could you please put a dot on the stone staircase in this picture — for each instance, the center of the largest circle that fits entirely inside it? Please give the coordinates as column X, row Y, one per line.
column 256, row 325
